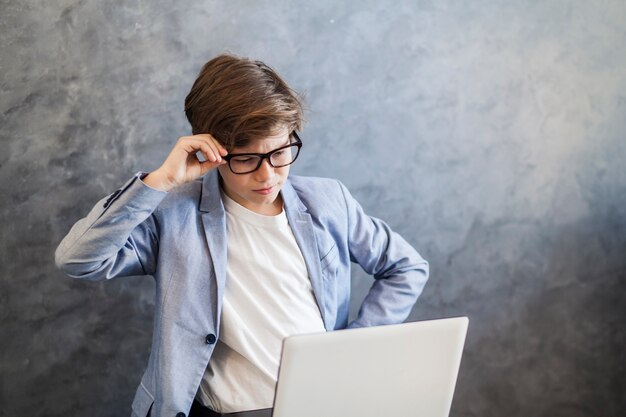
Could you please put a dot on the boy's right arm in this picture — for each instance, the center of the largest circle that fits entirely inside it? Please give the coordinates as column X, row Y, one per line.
column 119, row 236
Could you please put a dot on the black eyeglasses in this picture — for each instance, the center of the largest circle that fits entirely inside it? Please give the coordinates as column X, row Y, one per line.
column 245, row 163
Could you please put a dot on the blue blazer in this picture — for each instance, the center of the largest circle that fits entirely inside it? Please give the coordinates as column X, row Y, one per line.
column 179, row 238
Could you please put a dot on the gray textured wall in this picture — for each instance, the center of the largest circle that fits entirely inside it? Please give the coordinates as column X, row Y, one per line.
column 491, row 134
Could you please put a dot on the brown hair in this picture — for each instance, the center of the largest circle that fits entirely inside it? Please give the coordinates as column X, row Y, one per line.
column 237, row 100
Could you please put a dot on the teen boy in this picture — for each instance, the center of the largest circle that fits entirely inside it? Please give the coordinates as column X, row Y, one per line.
column 243, row 254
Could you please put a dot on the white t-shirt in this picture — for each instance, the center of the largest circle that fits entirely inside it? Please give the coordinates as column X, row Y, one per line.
column 268, row 297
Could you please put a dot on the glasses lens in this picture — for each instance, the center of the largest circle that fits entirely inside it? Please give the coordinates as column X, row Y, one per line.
column 244, row 164
column 285, row 156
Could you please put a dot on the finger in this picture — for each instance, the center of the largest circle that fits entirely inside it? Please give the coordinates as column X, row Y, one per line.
column 210, row 154
column 193, row 145
column 218, row 145
column 215, row 149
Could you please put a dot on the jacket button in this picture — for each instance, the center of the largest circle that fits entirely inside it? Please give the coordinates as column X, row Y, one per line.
column 111, row 197
column 210, row 339
column 181, row 414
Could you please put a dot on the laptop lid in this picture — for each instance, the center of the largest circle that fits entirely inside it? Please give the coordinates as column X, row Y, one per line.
column 399, row 370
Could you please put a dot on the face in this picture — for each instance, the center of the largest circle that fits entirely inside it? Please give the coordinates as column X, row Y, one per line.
column 258, row 191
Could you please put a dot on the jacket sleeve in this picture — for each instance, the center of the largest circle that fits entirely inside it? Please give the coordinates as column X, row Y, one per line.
column 400, row 272
column 119, row 236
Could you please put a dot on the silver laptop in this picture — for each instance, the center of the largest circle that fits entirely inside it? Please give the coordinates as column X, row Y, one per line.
column 401, row 370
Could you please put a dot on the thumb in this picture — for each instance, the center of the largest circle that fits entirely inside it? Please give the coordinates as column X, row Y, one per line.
column 206, row 166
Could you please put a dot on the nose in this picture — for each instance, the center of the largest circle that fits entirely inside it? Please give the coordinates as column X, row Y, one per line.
column 265, row 171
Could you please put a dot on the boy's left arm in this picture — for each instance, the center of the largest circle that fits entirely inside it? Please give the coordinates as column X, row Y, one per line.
column 400, row 272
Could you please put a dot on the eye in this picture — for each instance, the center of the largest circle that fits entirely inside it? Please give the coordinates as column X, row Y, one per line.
column 244, row 160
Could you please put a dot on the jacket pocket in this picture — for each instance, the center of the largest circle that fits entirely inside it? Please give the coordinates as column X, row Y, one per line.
column 142, row 402
column 328, row 260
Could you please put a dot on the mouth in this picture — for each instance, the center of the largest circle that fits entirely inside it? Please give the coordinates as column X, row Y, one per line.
column 265, row 191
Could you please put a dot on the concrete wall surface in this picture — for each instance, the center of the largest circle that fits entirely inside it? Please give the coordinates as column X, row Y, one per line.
column 490, row 134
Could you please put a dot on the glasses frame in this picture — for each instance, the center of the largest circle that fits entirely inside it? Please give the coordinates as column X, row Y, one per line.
column 267, row 156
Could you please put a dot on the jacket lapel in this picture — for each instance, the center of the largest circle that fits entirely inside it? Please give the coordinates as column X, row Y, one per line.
column 214, row 224
column 302, row 226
